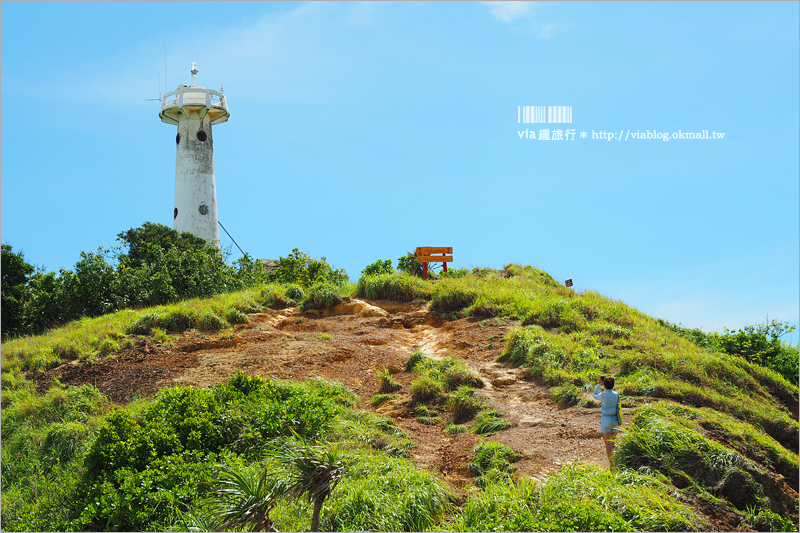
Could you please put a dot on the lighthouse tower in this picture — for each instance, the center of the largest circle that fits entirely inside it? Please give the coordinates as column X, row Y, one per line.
column 194, row 110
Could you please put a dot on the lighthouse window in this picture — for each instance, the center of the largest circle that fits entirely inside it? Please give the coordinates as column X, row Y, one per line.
column 176, row 214
column 178, row 139
column 201, row 136
column 203, row 209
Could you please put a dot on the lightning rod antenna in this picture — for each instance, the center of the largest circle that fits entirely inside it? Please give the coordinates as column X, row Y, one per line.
column 165, row 57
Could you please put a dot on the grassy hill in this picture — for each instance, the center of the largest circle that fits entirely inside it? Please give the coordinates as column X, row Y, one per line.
column 710, row 440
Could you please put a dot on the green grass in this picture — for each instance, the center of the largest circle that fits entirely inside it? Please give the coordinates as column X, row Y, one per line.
column 488, row 423
column 425, row 390
column 398, row 287
column 710, row 453
column 378, row 399
column 454, row 429
column 413, row 359
column 450, row 373
column 491, row 460
column 567, row 395
column 386, row 383
column 464, row 404
column 578, row 498
column 656, row 363
column 571, row 338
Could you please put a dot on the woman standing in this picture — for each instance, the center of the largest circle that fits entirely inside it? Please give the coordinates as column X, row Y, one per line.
column 610, row 419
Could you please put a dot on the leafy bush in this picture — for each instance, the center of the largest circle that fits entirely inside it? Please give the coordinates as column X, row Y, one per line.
column 295, row 292
column 760, row 344
column 378, row 267
column 302, row 269
column 408, row 264
column 323, row 296
column 455, row 273
column 153, row 265
column 15, row 273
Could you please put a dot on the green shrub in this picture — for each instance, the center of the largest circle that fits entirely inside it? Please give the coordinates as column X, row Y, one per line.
column 295, row 292
column 209, row 321
column 578, row 498
column 324, row 296
column 408, row 264
column 159, row 335
column 492, row 460
column 386, row 494
column 302, row 269
column 455, row 373
column 378, row 267
column 455, row 273
column 669, row 438
column 107, row 346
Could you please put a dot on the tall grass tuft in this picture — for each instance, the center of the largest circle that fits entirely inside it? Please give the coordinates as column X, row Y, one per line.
column 464, row 404
column 413, row 359
column 398, row 287
column 386, row 382
column 492, row 461
column 488, row 423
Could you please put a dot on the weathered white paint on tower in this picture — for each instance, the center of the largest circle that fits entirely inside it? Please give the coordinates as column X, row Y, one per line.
column 194, row 110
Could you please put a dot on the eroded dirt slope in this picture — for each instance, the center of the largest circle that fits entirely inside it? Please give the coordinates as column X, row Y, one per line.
column 349, row 345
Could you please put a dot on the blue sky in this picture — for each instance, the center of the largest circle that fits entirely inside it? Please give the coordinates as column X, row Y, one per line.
column 359, row 131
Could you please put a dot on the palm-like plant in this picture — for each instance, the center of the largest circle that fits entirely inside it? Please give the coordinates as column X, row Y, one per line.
column 315, row 470
column 248, row 499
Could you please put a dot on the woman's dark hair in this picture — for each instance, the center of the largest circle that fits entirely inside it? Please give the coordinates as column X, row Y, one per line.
column 608, row 383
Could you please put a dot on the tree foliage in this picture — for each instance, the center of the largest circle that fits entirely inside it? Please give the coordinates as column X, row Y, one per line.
column 759, row 343
column 302, row 269
column 153, row 265
column 15, row 274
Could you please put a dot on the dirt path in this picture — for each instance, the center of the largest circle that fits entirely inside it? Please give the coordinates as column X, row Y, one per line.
column 349, row 347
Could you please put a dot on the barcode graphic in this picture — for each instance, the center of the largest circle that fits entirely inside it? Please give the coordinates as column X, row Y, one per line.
column 539, row 114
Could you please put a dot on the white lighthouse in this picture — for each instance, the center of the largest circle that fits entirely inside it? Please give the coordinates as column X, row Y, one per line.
column 194, row 110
